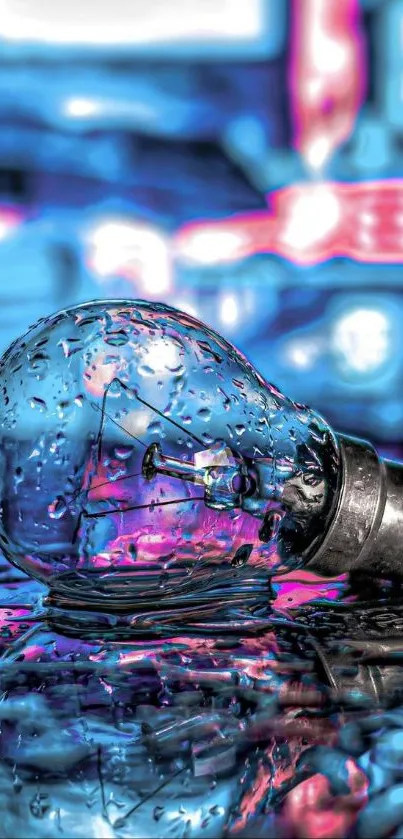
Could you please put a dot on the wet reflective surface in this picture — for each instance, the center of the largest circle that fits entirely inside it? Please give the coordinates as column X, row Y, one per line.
column 295, row 730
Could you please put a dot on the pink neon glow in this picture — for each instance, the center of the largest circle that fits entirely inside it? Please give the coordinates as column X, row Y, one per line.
column 327, row 75
column 299, row 587
column 253, row 796
column 311, row 223
column 10, row 218
column 314, row 812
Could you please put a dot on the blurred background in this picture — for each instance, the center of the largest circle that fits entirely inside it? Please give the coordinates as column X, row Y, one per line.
column 240, row 159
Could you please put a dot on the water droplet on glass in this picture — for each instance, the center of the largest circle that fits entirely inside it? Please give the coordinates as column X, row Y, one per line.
column 132, row 550
column 116, row 339
column 123, row 452
column 70, row 346
column 64, row 408
column 242, row 555
column 37, row 403
column 18, row 476
column 155, row 427
column 204, row 414
column 38, row 365
column 178, row 369
column 145, row 370
column 39, row 805
column 58, row 507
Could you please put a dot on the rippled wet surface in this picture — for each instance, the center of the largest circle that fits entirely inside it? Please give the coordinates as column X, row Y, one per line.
column 292, row 731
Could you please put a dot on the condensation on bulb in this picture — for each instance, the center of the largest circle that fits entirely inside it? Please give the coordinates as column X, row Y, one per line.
column 231, row 463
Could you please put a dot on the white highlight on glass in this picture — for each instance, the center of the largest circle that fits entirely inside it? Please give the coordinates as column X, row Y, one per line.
column 136, row 422
column 162, row 357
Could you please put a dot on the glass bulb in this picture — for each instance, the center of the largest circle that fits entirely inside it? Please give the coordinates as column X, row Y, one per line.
column 144, row 460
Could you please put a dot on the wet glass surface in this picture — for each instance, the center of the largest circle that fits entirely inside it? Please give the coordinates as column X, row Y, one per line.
column 144, row 460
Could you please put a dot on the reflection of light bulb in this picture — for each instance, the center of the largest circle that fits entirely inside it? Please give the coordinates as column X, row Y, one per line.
column 181, row 474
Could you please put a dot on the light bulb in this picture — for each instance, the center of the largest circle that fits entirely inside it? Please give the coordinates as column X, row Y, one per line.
column 145, row 464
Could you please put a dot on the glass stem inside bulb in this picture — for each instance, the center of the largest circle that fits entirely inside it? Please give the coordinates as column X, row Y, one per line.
column 239, row 483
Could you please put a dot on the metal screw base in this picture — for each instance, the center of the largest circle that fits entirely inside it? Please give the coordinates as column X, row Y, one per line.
column 366, row 532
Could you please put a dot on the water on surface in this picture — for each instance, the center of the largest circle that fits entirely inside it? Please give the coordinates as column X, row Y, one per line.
column 278, row 733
